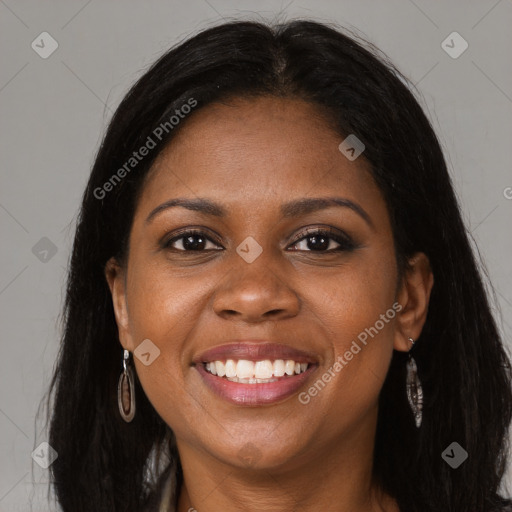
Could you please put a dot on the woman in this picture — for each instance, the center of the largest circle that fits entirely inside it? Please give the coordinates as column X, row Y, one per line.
column 272, row 302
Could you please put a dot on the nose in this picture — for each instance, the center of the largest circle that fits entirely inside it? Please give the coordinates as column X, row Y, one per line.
column 255, row 292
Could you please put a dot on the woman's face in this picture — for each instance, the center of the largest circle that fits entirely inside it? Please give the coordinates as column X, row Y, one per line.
column 257, row 274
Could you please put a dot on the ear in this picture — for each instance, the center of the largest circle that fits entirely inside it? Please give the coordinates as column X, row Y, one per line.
column 413, row 296
column 116, row 279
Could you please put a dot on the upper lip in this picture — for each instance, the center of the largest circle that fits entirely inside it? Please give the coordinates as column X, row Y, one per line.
column 255, row 351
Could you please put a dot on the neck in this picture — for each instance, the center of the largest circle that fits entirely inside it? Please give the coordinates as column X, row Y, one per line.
column 334, row 477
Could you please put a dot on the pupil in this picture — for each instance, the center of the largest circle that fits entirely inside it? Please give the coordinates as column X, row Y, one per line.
column 323, row 245
column 190, row 244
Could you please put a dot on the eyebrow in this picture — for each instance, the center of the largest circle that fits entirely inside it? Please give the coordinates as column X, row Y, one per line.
column 294, row 208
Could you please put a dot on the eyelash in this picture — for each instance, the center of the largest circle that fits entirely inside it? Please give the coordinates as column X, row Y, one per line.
column 345, row 243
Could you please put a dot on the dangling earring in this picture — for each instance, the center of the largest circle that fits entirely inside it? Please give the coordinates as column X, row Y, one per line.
column 414, row 389
column 126, row 391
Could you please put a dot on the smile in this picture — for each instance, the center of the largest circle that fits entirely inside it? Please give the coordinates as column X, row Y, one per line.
column 255, row 374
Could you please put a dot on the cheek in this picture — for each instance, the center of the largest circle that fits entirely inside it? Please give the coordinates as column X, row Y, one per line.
column 163, row 304
column 357, row 313
column 352, row 298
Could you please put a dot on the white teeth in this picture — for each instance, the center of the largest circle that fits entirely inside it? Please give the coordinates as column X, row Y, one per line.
column 230, row 368
column 263, row 369
column 249, row 372
column 245, row 369
column 289, row 367
column 279, row 368
column 220, row 367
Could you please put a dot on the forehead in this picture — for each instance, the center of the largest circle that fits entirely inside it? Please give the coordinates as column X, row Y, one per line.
column 256, row 149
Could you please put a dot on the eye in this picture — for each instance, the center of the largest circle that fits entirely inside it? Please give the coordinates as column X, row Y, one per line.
column 190, row 240
column 323, row 240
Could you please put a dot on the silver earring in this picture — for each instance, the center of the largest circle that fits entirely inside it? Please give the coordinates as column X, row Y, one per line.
column 126, row 391
column 414, row 389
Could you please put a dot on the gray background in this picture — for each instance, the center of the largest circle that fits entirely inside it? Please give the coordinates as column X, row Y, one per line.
column 54, row 112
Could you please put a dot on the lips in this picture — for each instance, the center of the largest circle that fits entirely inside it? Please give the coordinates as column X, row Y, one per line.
column 254, row 392
column 255, row 352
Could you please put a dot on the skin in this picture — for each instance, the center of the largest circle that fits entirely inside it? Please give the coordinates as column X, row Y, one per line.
column 251, row 156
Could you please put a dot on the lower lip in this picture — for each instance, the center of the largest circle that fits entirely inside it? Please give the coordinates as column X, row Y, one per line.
column 254, row 394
